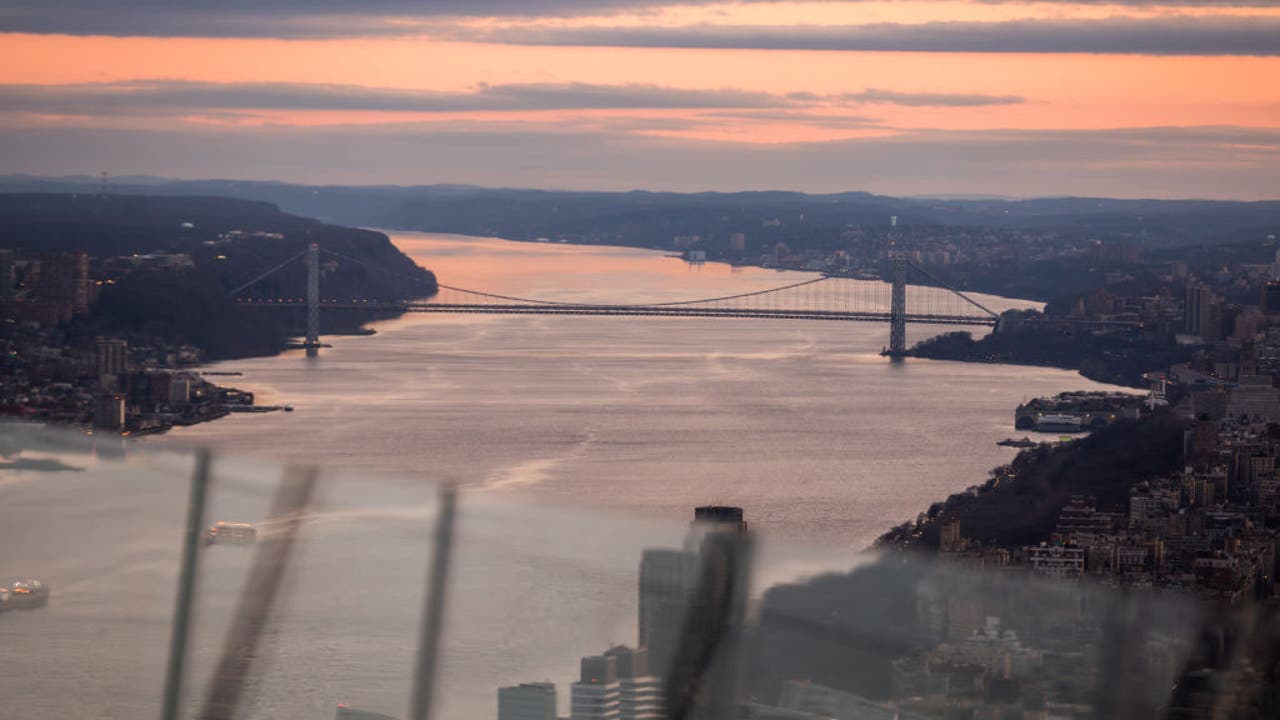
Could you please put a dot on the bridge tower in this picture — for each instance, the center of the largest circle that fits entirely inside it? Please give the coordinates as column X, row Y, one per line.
column 313, row 296
column 898, row 308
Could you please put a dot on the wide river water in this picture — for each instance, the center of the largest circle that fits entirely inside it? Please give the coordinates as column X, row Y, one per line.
column 577, row 440
column 803, row 423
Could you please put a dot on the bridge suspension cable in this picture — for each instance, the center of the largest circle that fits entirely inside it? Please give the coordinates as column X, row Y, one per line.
column 825, row 297
column 236, row 291
column 371, row 266
column 668, row 303
column 954, row 291
column 833, row 297
column 562, row 302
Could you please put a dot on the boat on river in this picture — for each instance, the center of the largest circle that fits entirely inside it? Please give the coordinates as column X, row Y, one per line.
column 230, row 533
column 24, row 595
column 1059, row 423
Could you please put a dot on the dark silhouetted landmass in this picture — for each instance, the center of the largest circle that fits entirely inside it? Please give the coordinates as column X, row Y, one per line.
column 1118, row 356
column 1019, row 504
column 1035, row 248
column 228, row 242
column 651, row 218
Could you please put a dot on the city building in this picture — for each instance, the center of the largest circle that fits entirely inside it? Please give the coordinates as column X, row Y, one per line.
column 111, row 359
column 667, row 580
column 1060, row 562
column 108, row 412
column 179, row 388
column 737, row 244
column 63, row 279
column 639, row 693
column 1201, row 312
column 527, row 701
column 721, row 515
column 6, row 276
column 1080, row 523
column 595, row 695
column 949, row 539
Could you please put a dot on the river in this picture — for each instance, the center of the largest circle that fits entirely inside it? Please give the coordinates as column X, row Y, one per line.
column 577, row 441
column 802, row 423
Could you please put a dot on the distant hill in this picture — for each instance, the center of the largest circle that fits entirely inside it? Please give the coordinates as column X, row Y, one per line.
column 652, row 218
column 193, row 305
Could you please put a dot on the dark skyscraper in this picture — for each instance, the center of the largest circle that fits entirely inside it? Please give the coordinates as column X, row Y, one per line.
column 720, row 515
column 1271, row 297
column 667, row 579
column 64, row 280
column 6, row 275
column 1201, row 312
column 111, row 356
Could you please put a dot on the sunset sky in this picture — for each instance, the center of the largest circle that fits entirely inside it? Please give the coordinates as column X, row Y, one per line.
column 1132, row 99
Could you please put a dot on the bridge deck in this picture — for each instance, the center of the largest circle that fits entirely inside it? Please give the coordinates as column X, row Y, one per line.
column 643, row 311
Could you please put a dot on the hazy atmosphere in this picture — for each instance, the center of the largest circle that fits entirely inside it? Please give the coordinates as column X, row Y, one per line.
column 1131, row 99
column 640, row 359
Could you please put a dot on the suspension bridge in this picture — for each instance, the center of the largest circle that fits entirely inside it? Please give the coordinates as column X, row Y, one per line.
column 828, row 297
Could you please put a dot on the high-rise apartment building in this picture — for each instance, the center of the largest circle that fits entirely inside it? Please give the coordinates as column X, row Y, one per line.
column 639, row 693
column 111, row 357
column 1271, row 297
column 1201, row 312
column 64, row 280
column 595, row 695
column 667, row 581
column 108, row 412
column 6, row 276
column 720, row 517
column 527, row 701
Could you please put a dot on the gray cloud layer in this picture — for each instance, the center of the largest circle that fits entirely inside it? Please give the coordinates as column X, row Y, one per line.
column 271, row 18
column 1221, row 162
column 347, row 18
column 1155, row 36
column 890, row 97
column 161, row 97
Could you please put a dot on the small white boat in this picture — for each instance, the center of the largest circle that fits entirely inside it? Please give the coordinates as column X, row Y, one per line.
column 230, row 533
column 24, row 595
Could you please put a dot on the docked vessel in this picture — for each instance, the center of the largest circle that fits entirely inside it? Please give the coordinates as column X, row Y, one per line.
column 1059, row 423
column 230, row 533
column 24, row 595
